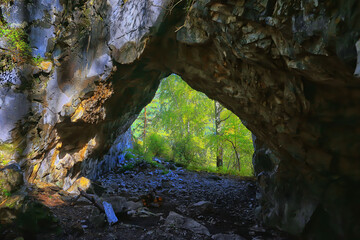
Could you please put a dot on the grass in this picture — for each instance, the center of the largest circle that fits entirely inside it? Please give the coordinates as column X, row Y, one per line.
column 212, row 169
column 140, row 158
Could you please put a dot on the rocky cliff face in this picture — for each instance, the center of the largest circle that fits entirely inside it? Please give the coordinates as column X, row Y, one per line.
column 288, row 69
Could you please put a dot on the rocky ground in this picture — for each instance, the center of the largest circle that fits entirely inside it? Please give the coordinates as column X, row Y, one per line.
column 159, row 203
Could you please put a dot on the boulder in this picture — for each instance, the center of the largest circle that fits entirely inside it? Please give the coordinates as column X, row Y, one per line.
column 121, row 205
column 178, row 221
column 46, row 66
column 82, row 183
column 11, row 179
column 201, row 207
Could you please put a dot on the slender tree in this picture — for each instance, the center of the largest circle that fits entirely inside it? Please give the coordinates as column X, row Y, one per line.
column 219, row 148
column 145, row 123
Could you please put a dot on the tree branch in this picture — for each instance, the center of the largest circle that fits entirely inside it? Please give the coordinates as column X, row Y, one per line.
column 223, row 120
column 236, row 152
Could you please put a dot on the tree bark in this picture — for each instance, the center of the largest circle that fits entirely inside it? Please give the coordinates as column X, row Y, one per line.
column 236, row 154
column 219, row 148
column 145, row 123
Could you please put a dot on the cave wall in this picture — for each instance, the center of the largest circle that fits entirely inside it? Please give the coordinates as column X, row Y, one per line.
column 288, row 69
column 68, row 117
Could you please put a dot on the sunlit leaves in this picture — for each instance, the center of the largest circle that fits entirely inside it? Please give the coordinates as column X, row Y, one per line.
column 185, row 118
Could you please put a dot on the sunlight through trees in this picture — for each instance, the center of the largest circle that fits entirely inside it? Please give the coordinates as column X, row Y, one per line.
column 187, row 127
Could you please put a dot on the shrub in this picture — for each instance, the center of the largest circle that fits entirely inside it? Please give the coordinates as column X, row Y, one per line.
column 129, row 155
column 17, row 41
column 184, row 150
column 138, row 148
column 157, row 146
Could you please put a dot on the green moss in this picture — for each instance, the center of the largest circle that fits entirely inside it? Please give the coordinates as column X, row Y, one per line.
column 6, row 152
column 6, row 147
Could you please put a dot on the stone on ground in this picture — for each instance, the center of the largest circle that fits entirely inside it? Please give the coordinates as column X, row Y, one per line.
column 180, row 221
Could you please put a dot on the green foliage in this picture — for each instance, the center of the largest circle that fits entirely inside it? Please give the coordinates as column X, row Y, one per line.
column 158, row 146
column 6, row 193
column 17, row 41
column 186, row 150
column 37, row 60
column 138, row 148
column 17, row 50
column 139, row 163
column 180, row 126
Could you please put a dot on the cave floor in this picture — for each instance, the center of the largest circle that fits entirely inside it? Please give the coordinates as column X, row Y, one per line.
column 229, row 207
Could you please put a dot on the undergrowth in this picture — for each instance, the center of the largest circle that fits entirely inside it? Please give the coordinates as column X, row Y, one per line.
column 17, row 43
column 139, row 162
column 224, row 171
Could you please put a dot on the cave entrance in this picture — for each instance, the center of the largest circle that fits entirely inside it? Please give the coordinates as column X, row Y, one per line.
column 186, row 127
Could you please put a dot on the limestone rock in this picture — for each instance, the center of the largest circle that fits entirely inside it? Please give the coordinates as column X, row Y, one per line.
column 201, row 207
column 357, row 70
column 80, row 184
column 11, row 179
column 121, row 205
column 46, row 66
column 179, row 221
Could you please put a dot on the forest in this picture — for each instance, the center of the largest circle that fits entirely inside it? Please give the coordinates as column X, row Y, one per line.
column 185, row 126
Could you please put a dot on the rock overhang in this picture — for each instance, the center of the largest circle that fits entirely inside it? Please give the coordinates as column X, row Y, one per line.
column 286, row 69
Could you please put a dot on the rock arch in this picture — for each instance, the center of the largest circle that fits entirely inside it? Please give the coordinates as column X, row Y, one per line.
column 288, row 69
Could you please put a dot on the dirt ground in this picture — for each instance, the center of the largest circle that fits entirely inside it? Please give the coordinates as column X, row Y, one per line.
column 222, row 205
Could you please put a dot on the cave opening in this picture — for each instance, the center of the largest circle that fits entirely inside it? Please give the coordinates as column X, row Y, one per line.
column 186, row 127
column 173, row 170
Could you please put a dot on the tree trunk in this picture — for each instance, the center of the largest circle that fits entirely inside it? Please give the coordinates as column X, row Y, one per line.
column 145, row 123
column 219, row 150
column 219, row 157
column 237, row 155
